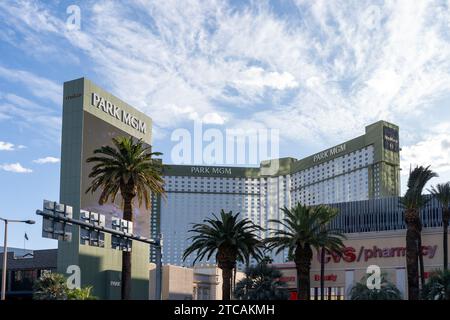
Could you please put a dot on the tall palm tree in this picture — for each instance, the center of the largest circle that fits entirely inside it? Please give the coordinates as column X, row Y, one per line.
column 301, row 229
column 442, row 194
column 231, row 239
column 127, row 167
column 412, row 202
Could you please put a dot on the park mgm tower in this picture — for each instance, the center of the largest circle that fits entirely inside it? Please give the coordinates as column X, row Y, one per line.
column 91, row 118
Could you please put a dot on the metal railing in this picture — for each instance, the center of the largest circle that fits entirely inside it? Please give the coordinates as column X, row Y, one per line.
column 381, row 215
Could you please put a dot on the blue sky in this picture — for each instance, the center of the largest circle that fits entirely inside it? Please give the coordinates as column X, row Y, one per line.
column 319, row 71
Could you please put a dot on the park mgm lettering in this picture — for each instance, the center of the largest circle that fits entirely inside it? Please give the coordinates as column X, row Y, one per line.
column 118, row 113
column 211, row 170
column 329, row 153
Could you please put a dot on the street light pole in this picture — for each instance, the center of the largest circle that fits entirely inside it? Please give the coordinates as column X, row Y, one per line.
column 5, row 253
column 5, row 258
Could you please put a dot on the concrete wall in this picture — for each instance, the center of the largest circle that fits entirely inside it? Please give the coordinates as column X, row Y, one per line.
column 176, row 282
column 203, row 282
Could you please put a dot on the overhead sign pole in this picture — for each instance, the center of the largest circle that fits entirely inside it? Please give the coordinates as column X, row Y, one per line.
column 61, row 216
column 97, row 228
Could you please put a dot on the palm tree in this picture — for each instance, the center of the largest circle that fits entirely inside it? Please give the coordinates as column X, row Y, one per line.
column 261, row 282
column 301, row 229
column 412, row 202
column 50, row 286
column 438, row 286
column 53, row 286
column 230, row 239
column 442, row 194
column 127, row 167
column 387, row 291
column 81, row 294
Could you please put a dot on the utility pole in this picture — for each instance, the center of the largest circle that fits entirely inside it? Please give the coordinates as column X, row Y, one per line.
column 5, row 253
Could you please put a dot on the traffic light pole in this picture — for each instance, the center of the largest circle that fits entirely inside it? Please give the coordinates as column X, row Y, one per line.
column 157, row 243
column 97, row 228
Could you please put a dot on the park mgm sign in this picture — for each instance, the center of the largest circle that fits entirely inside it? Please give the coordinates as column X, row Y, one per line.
column 211, row 170
column 332, row 152
column 120, row 114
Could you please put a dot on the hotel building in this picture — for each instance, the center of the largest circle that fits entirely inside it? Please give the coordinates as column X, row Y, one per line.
column 366, row 167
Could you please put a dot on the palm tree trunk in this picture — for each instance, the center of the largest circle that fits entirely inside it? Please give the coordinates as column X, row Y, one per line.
column 126, row 256
column 226, row 260
column 234, row 279
column 419, row 248
column 445, row 218
column 322, row 274
column 412, row 254
column 299, row 289
column 126, row 276
column 421, row 266
column 226, row 283
column 303, row 264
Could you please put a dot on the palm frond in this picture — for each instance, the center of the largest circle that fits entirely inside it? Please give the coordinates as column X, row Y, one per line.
column 126, row 166
column 442, row 193
column 305, row 226
column 225, row 233
column 418, row 178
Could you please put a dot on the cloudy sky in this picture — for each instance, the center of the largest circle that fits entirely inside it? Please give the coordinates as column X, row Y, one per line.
column 317, row 71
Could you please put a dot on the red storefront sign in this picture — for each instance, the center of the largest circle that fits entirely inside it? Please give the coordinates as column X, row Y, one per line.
column 327, row 277
column 316, row 277
column 287, row 279
column 350, row 254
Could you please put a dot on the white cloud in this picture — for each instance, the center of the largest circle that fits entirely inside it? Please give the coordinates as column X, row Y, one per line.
column 14, row 167
column 364, row 71
column 39, row 86
column 29, row 115
column 319, row 73
column 433, row 150
column 33, row 23
column 259, row 78
column 8, row 146
column 46, row 160
column 213, row 118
